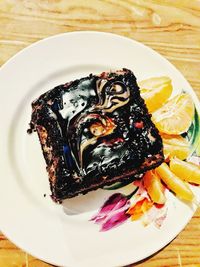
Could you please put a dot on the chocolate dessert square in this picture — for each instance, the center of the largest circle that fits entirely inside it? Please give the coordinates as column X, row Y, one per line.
column 95, row 131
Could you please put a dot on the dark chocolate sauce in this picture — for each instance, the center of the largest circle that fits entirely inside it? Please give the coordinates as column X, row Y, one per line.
column 93, row 103
column 97, row 131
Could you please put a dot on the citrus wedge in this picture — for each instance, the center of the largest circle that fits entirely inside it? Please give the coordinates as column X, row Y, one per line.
column 175, row 116
column 174, row 183
column 185, row 170
column 155, row 91
column 175, row 146
column 154, row 187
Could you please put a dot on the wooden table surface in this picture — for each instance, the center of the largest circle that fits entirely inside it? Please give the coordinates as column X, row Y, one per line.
column 170, row 27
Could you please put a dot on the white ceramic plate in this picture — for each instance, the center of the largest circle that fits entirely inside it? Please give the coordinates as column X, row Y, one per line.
column 33, row 222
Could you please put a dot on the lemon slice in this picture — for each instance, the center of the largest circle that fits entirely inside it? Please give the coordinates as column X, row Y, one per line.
column 155, row 91
column 175, row 116
column 185, row 170
column 154, row 187
column 175, row 146
column 179, row 187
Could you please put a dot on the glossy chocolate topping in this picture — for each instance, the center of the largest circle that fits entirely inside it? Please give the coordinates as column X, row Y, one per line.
column 101, row 125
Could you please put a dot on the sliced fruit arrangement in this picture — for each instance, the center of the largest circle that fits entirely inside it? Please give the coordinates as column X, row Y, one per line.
column 174, row 183
column 155, row 91
column 172, row 117
column 154, row 187
column 175, row 146
column 187, row 171
column 175, row 176
column 178, row 123
column 175, row 116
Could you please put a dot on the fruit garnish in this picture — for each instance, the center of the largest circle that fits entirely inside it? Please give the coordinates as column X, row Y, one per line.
column 155, row 91
column 154, row 187
column 174, row 183
column 175, row 116
column 185, row 170
column 175, row 146
column 145, row 198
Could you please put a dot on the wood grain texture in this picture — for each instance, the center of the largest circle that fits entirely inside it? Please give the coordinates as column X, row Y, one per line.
column 170, row 27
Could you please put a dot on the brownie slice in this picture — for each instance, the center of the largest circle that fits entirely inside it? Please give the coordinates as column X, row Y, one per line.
column 95, row 131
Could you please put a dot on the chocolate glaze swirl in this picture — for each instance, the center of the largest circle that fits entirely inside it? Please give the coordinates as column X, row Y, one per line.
column 94, row 124
column 111, row 95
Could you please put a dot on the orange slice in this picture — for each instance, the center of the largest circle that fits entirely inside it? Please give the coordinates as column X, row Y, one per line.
column 155, row 91
column 185, row 170
column 175, row 116
column 154, row 187
column 174, row 183
column 175, row 146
